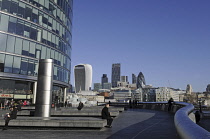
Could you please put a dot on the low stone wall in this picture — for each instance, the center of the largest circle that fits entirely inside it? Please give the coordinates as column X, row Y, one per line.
column 61, row 122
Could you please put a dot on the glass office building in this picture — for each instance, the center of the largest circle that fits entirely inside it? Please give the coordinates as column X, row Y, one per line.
column 31, row 30
column 115, row 74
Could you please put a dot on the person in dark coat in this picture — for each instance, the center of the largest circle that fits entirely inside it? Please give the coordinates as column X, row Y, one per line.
column 81, row 105
column 13, row 113
column 197, row 116
column 170, row 102
column 66, row 103
column 106, row 115
column 7, row 119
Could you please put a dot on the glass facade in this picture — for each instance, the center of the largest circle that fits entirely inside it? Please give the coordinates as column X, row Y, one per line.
column 36, row 29
column 115, row 74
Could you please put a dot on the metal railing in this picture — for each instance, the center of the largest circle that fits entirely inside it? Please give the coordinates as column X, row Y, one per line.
column 186, row 128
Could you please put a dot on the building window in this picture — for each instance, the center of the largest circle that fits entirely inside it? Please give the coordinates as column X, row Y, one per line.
column 5, row 5
column 28, row 13
column 12, row 25
column 3, row 42
column 14, row 7
column 16, row 65
column 32, row 49
column 31, row 67
column 10, row 44
column 8, row 63
column 2, row 56
column 24, row 66
column 4, row 23
column 18, row 45
column 21, row 9
column 25, row 50
column 38, row 51
column 20, row 27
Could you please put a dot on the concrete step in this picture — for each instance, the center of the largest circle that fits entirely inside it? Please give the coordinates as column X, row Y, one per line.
column 98, row 108
column 69, row 113
column 68, row 122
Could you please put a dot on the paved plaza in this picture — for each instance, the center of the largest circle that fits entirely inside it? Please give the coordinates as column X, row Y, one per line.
column 130, row 124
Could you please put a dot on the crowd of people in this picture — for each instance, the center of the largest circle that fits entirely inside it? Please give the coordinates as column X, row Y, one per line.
column 10, row 103
column 14, row 107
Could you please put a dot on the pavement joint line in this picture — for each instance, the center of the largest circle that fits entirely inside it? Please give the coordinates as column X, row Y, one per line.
column 146, row 129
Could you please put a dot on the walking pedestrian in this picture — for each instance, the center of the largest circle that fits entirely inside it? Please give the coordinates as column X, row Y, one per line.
column 170, row 102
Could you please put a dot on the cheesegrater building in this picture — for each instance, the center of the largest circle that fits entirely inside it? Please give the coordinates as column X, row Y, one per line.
column 31, row 30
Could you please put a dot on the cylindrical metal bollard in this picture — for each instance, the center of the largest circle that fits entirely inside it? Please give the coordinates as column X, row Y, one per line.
column 44, row 88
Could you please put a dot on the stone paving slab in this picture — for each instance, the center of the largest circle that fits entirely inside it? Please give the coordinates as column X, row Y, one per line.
column 131, row 124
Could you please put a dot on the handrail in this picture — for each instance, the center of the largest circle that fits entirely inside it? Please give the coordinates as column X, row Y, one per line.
column 186, row 128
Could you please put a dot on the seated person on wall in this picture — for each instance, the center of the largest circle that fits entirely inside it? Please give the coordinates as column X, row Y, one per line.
column 106, row 115
column 81, row 105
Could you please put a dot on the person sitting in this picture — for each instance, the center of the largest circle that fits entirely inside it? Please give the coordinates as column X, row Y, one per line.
column 106, row 115
column 81, row 105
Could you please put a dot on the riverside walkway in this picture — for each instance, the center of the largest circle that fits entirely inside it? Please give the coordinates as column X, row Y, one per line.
column 131, row 124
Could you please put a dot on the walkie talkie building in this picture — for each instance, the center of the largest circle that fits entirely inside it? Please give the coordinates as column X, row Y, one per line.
column 31, row 30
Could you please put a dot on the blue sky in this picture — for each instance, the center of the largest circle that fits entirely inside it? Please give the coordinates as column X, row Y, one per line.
column 167, row 40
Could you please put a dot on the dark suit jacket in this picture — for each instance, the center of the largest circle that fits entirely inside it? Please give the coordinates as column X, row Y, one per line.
column 105, row 113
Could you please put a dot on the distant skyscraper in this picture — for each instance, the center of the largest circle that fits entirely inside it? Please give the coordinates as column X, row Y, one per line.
column 82, row 77
column 107, row 86
column 97, row 86
column 189, row 89
column 208, row 88
column 115, row 74
column 133, row 79
column 124, row 79
column 140, row 80
column 104, row 79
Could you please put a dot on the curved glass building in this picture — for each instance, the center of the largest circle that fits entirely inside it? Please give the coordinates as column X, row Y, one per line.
column 31, row 30
column 82, row 77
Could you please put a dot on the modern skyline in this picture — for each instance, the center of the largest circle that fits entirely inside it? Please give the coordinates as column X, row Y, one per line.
column 167, row 40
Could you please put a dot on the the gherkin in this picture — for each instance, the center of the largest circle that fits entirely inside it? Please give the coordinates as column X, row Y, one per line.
column 140, row 83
